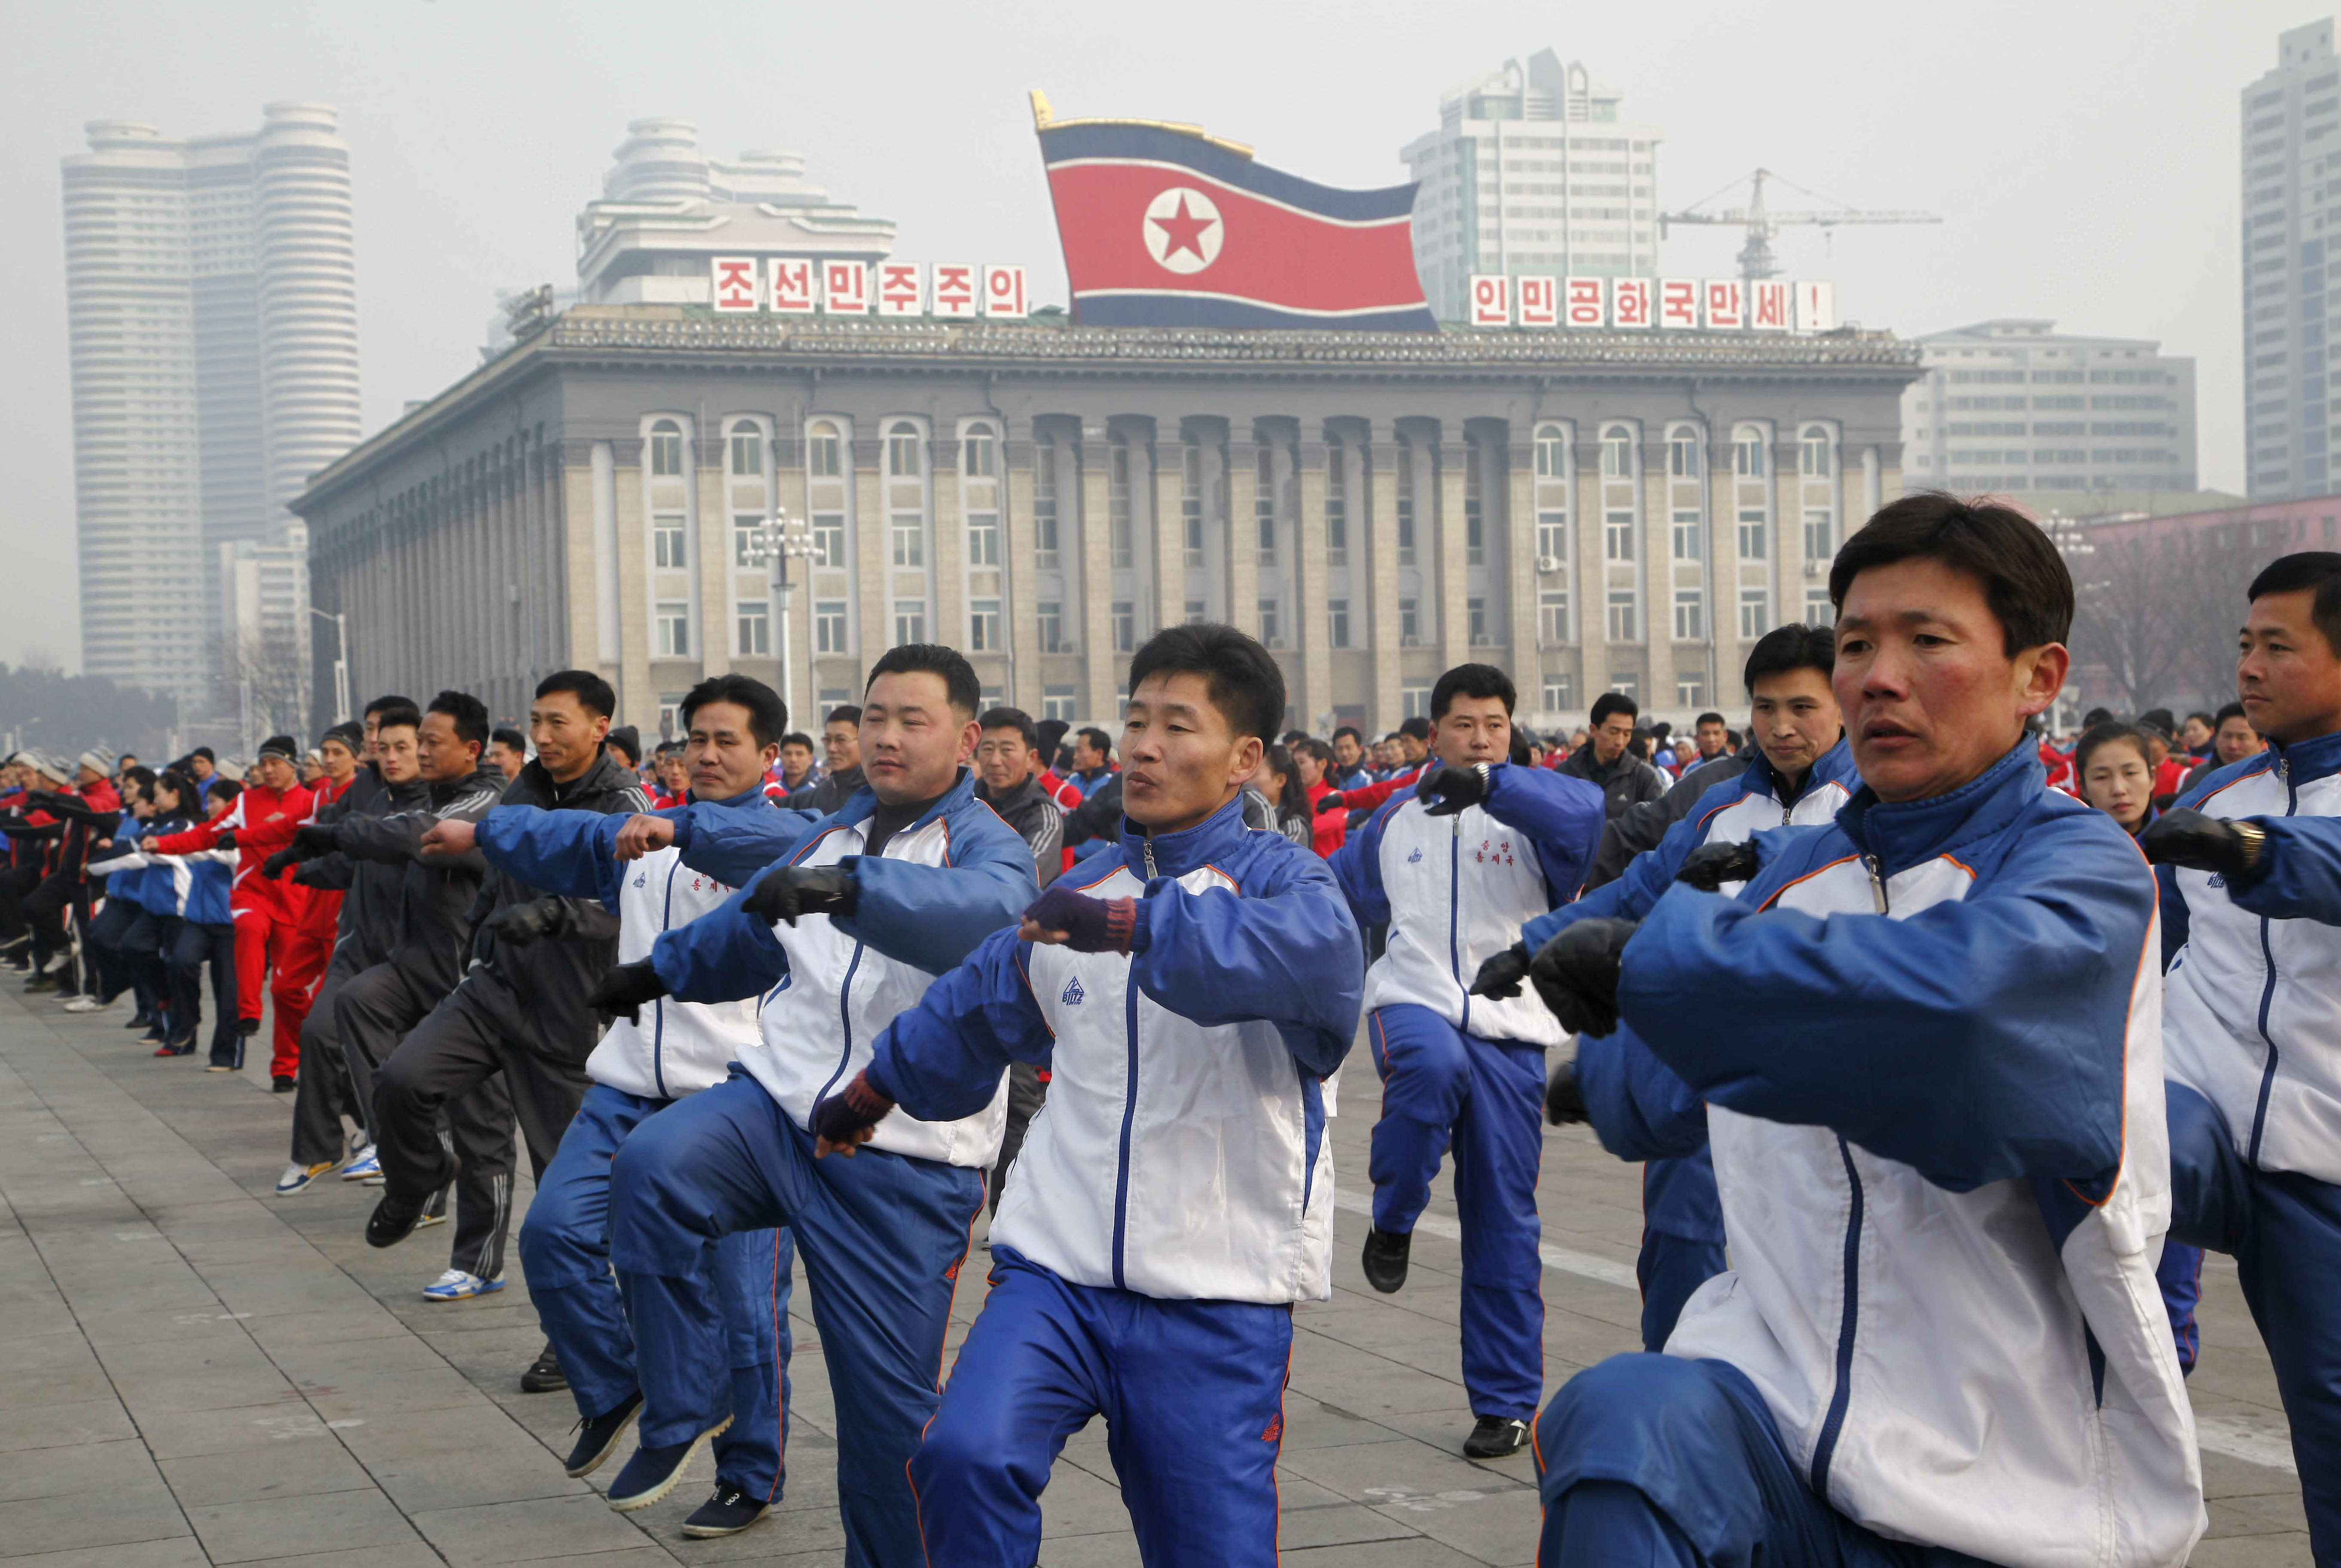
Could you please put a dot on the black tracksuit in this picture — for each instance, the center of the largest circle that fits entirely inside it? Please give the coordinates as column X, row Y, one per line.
column 519, row 1010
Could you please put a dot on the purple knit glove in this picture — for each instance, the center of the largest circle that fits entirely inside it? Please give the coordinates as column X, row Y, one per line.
column 841, row 1119
column 1091, row 925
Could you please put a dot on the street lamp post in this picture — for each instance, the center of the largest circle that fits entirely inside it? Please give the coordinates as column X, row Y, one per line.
column 340, row 663
column 772, row 543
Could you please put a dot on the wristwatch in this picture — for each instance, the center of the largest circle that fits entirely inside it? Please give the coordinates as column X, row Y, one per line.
column 2254, row 838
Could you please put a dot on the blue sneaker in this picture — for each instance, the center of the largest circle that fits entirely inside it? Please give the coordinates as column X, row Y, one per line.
column 652, row 1472
column 299, row 1177
column 456, row 1285
column 365, row 1165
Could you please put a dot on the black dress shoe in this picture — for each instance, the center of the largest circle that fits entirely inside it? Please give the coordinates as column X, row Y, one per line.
column 727, row 1512
column 283, row 1084
column 1384, row 1259
column 392, row 1222
column 544, row 1374
column 247, row 1027
column 598, row 1435
column 1494, row 1436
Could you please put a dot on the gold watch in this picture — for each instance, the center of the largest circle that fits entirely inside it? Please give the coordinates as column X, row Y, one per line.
column 2254, row 838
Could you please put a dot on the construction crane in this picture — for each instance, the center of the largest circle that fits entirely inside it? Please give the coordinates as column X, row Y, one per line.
column 1756, row 258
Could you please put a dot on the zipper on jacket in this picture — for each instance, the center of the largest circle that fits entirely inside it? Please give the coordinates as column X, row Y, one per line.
column 1825, row 1447
column 1128, row 1120
column 658, row 1007
column 1148, row 845
column 1455, row 917
column 845, row 1022
column 2267, row 990
column 1877, row 881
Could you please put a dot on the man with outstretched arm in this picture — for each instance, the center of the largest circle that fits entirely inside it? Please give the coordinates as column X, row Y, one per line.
column 2251, row 897
column 1176, row 1197
column 895, row 887
column 639, row 1070
column 1454, row 866
column 1929, row 1039
column 1800, row 770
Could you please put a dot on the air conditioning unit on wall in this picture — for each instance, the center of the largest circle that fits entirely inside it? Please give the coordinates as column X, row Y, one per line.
column 1547, row 565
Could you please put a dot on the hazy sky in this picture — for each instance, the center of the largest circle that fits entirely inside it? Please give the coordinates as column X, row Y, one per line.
column 2084, row 155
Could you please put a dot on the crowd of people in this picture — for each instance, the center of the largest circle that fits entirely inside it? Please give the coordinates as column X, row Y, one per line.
column 1947, row 1046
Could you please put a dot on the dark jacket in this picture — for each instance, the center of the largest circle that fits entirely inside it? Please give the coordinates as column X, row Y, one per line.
column 535, row 992
column 1628, row 781
column 828, row 793
column 1037, row 820
column 1640, row 828
column 1099, row 816
column 434, row 895
column 372, row 890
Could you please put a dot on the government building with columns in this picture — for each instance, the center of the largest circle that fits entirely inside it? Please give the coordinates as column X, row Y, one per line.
column 1592, row 510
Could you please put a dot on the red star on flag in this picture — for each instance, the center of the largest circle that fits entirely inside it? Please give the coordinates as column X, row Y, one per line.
column 1182, row 231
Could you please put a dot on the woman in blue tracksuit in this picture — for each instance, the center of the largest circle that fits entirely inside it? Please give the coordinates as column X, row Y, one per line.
column 1175, row 1196
column 200, row 884
column 1454, row 866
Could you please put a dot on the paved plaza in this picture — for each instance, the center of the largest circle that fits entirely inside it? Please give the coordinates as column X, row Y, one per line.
column 192, row 1371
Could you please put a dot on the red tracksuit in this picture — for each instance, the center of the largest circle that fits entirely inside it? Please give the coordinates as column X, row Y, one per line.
column 316, row 922
column 267, row 914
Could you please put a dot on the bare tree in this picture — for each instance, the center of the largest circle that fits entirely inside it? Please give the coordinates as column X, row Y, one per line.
column 2158, row 615
column 270, row 673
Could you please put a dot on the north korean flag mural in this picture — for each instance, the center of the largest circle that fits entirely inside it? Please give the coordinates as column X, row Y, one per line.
column 1164, row 226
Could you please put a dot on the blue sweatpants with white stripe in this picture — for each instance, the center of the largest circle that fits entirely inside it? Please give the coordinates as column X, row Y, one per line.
column 1192, row 1393
column 565, row 1248
column 881, row 1237
column 1445, row 1090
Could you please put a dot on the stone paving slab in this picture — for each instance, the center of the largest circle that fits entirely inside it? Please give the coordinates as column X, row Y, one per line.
column 192, row 1371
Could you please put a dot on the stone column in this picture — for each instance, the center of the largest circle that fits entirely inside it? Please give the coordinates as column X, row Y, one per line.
column 640, row 706
column 1723, row 522
column 947, row 554
column 1658, row 573
column 1312, row 637
column 1092, row 526
column 1592, row 572
column 1448, row 547
column 1243, row 535
column 1523, row 587
column 1017, row 566
column 1788, row 548
column 874, row 552
column 711, row 578
column 1377, row 533
column 1166, row 522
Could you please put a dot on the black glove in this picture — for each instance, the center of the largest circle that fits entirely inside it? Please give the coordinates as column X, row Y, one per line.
column 1091, row 925
column 839, row 1117
column 1331, row 802
column 310, row 874
column 790, row 891
column 521, row 924
column 276, row 864
column 223, row 840
column 2200, row 843
column 1445, row 791
column 1501, row 975
column 1576, row 973
column 1711, row 865
column 626, row 989
column 1563, row 1105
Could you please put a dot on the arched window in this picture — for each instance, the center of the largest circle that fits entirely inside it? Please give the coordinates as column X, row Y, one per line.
column 1818, row 451
column 666, row 449
column 1551, row 452
column 1618, row 453
column 823, row 446
column 980, row 454
column 1682, row 451
column 747, row 451
column 903, row 450
column 1747, row 451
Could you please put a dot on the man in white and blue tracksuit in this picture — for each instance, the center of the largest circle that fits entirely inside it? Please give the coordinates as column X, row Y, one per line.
column 1927, row 1037
column 1454, row 866
column 2250, row 860
column 635, row 866
column 1799, row 771
column 1174, row 1197
column 869, row 905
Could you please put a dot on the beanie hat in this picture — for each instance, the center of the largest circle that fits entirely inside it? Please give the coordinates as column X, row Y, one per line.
column 283, row 745
column 97, row 760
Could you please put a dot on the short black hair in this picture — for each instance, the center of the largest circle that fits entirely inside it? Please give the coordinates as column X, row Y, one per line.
column 1415, row 729
column 1472, row 680
column 2232, row 710
column 470, row 714
column 1244, row 683
column 768, row 715
column 1786, row 648
column 2208, row 722
column 224, row 789
column 592, row 692
column 382, row 704
column 206, row 753
column 2097, row 716
column 403, row 716
column 505, row 735
column 141, row 779
column 2024, row 579
column 1098, row 739
column 1611, row 702
column 1712, row 718
column 667, row 749
column 845, row 713
column 1014, row 718
column 797, row 738
column 627, row 742
column 1352, row 731
column 2106, row 734
column 179, row 782
column 961, row 688
column 2308, row 568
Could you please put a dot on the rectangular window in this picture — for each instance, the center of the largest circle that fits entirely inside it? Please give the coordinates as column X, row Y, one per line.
column 1552, row 535
column 1198, row 612
column 1044, row 504
column 745, row 526
column 1475, row 544
column 753, row 627
column 1686, row 534
column 1820, row 533
column 1272, row 635
column 909, row 620
column 1621, row 616
column 1691, row 615
column 1116, row 505
column 1560, row 693
column 673, row 619
column 978, row 455
column 1337, row 509
column 822, row 454
column 1475, row 614
column 747, row 453
column 666, row 452
column 1191, row 503
column 1053, row 626
column 666, row 541
column 1409, row 623
column 1626, row 683
column 1415, row 699
column 983, row 539
column 829, row 626
column 1755, row 613
column 1336, row 622
column 1690, row 690
column 1125, row 626
column 1553, row 616
column 984, row 626
column 829, row 539
column 1057, row 702
column 1618, row 534
column 1263, row 503
column 908, row 534
column 1752, row 533
column 1405, row 508
column 1819, row 610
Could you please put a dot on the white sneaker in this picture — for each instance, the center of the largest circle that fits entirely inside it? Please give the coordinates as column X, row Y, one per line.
column 85, row 1004
column 456, row 1285
column 298, row 1177
column 365, row 1165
